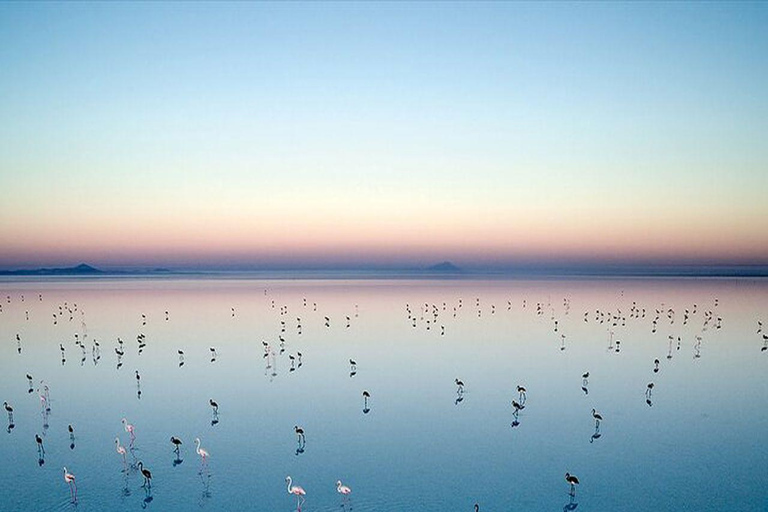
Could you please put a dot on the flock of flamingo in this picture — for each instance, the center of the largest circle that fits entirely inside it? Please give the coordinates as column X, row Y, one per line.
column 429, row 316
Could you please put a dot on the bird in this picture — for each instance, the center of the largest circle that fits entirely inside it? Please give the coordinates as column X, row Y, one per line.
column 119, row 449
column 353, row 364
column 146, row 473
column 296, row 491
column 39, row 441
column 176, row 442
column 585, row 375
column 517, row 406
column 215, row 406
column 477, row 507
column 129, row 428
column 597, row 416
column 649, row 388
column 201, row 452
column 521, row 391
column 299, row 433
column 460, row 385
column 8, row 408
column 343, row 489
column 138, row 377
column 573, row 481
column 69, row 478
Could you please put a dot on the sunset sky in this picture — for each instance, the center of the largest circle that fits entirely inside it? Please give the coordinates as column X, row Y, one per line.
column 210, row 135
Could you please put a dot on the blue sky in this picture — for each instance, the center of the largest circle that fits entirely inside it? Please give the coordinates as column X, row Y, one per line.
column 490, row 133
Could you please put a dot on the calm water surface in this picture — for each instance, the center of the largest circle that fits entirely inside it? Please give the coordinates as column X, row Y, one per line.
column 700, row 445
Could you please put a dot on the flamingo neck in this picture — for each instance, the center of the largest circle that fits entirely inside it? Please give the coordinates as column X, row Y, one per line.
column 289, row 484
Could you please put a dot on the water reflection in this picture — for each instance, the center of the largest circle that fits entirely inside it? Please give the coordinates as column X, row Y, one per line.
column 205, row 481
column 148, row 498
column 596, row 435
column 490, row 347
column 571, row 505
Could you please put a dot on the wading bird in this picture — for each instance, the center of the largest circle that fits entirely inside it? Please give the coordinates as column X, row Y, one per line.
column 69, row 478
column 296, row 491
column 343, row 489
column 201, row 452
column 119, row 449
column 129, row 428
column 573, row 481
column 147, row 474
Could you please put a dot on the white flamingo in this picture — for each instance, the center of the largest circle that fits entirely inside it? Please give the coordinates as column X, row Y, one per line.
column 296, row 491
column 120, row 450
column 343, row 489
column 129, row 429
column 69, row 478
column 201, row 452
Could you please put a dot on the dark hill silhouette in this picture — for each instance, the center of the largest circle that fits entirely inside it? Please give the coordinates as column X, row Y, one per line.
column 80, row 270
column 445, row 267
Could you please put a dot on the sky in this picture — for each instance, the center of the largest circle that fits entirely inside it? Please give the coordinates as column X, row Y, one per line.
column 314, row 135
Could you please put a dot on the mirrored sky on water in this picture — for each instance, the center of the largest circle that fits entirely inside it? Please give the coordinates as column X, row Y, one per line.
column 421, row 444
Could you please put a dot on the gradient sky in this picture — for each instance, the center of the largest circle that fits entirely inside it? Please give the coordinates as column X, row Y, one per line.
column 393, row 134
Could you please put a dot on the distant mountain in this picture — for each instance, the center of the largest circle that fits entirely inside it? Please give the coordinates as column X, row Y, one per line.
column 80, row 270
column 445, row 267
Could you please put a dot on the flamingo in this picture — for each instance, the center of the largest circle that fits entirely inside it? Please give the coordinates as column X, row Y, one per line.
column 296, row 491
column 460, row 385
column 176, row 442
column 129, row 429
column 39, row 441
column 43, row 401
column 70, row 479
column 343, row 489
column 201, row 452
column 521, row 393
column 215, row 406
column 299, row 434
column 119, row 449
column 571, row 479
column 597, row 416
column 146, row 473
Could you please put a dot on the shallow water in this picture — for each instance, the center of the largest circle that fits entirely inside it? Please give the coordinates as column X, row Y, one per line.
column 699, row 446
